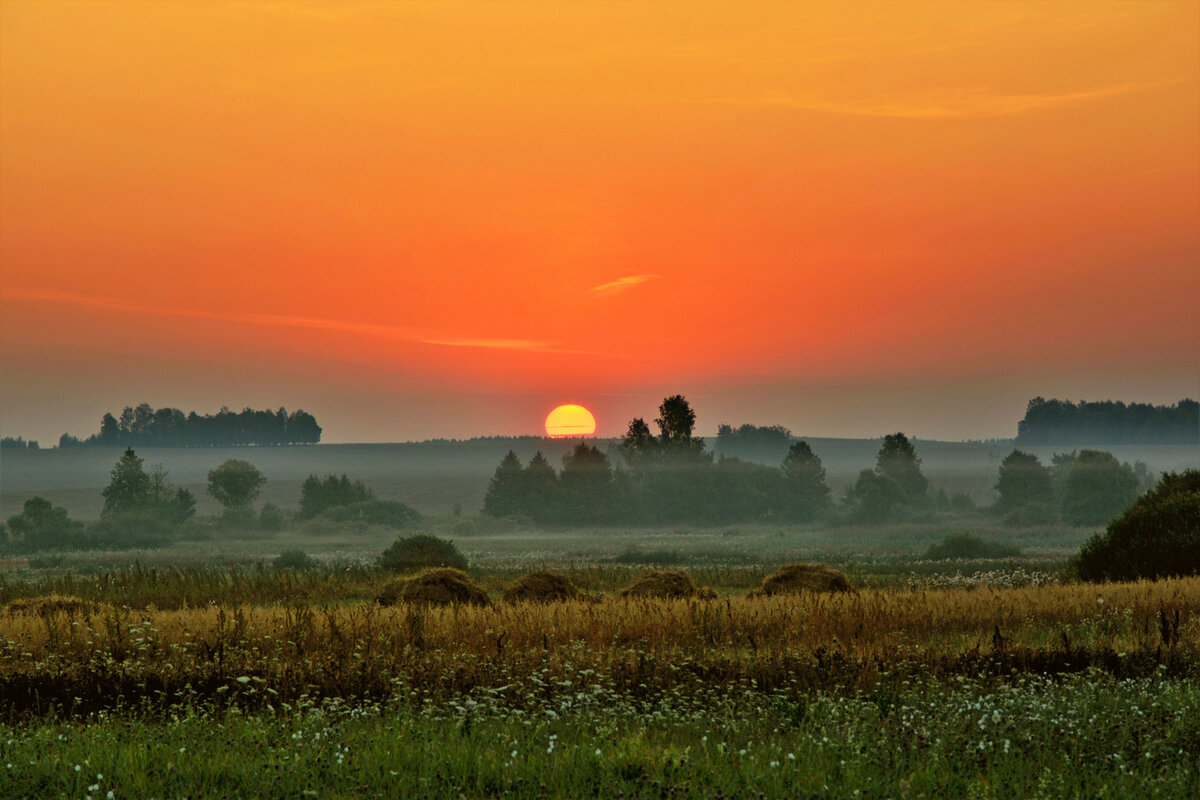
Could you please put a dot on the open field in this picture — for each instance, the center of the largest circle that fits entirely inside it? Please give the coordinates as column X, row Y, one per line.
column 1039, row 691
column 433, row 476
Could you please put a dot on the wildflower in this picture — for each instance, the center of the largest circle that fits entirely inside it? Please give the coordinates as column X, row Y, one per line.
column 597, row 751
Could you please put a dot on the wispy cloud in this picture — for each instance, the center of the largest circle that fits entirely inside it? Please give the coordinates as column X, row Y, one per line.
column 622, row 284
column 493, row 344
column 976, row 103
column 394, row 332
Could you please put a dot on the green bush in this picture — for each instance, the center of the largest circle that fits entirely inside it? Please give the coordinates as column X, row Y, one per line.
column 420, row 551
column 964, row 545
column 1031, row 514
column 386, row 513
column 1097, row 488
column 272, row 518
column 294, row 560
column 1157, row 536
column 131, row 530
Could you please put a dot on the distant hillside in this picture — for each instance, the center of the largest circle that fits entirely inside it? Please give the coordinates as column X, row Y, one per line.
column 1108, row 422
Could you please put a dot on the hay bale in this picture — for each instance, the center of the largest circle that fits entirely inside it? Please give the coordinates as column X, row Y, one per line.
column 49, row 604
column 797, row 578
column 542, row 587
column 665, row 583
column 438, row 586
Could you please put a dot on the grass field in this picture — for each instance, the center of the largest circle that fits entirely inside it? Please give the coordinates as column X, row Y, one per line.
column 258, row 683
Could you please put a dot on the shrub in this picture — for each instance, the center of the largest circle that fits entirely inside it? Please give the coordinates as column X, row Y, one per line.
column 965, row 545
column 272, row 518
column 797, row 578
column 387, row 513
column 1029, row 515
column 294, row 560
column 1097, row 488
column 1157, row 536
column 542, row 587
column 42, row 525
column 131, row 530
column 317, row 495
column 436, row 586
column 420, row 551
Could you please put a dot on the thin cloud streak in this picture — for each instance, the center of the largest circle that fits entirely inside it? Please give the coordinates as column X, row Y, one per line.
column 965, row 104
column 395, row 332
column 622, row 284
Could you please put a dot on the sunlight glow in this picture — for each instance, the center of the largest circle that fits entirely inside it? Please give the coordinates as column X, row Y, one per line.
column 570, row 420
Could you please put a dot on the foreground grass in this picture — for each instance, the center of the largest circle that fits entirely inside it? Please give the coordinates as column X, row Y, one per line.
column 1086, row 736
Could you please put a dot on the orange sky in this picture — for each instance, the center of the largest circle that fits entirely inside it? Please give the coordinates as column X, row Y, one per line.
column 420, row 220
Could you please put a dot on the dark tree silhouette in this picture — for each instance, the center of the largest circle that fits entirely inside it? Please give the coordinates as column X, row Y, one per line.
column 505, row 492
column 317, row 495
column 805, row 492
column 129, row 487
column 898, row 460
column 1023, row 481
column 235, row 484
column 1097, row 488
column 586, row 485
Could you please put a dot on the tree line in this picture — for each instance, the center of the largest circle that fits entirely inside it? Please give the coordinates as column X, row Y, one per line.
column 1049, row 422
column 144, row 426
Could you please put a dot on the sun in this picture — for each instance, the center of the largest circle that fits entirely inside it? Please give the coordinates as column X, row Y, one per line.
column 570, row 420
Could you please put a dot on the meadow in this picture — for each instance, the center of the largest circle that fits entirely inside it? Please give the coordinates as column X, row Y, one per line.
column 255, row 682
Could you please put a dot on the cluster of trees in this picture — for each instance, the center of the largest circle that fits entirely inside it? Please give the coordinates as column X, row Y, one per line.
column 1108, row 422
column 18, row 443
column 767, row 444
column 145, row 426
column 668, row 477
column 1088, row 487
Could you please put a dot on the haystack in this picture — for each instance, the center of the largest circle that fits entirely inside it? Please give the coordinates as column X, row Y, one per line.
column 796, row 578
column 438, row 586
column 49, row 604
column 665, row 584
column 542, row 587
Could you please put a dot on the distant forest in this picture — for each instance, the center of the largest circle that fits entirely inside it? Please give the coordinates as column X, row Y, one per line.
column 1108, row 422
column 144, row 426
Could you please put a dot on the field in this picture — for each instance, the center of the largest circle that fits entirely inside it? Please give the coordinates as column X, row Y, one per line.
column 200, row 670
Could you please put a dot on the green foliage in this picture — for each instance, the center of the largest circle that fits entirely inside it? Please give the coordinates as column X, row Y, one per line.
column 1157, row 536
column 420, row 551
column 586, row 485
column 1023, row 481
column 317, row 495
column 129, row 487
column 235, row 484
column 42, row 526
column 272, row 518
column 805, row 492
column 297, row 560
column 1030, row 515
column 386, row 513
column 1097, row 488
column 962, row 503
column 876, row 498
column 897, row 459
column 506, row 491
column 131, row 530
column 966, row 545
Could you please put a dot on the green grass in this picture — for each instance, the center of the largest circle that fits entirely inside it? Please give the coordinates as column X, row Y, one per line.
column 1083, row 736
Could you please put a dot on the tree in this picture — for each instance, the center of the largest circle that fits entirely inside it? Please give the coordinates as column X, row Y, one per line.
column 875, row 497
column 1023, row 481
column 1097, row 488
column 586, row 485
column 317, row 495
column 42, row 525
column 804, row 480
column 541, row 489
column 505, row 492
column 129, row 488
column 898, row 460
column 1157, row 536
column 638, row 445
column 235, row 484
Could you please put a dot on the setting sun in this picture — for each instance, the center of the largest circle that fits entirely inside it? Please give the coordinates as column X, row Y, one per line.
column 570, row 420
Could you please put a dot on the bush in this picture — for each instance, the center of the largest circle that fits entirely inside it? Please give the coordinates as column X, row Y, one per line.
column 387, row 513
column 294, row 560
column 1029, row 515
column 42, row 525
column 131, row 530
column 1157, row 536
column 272, row 518
column 420, row 551
column 964, row 545
column 1097, row 488
column 317, row 495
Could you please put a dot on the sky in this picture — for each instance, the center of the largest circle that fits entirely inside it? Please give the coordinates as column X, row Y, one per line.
column 440, row 220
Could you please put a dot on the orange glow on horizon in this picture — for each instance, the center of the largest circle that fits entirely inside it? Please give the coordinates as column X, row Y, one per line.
column 591, row 200
column 570, row 420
